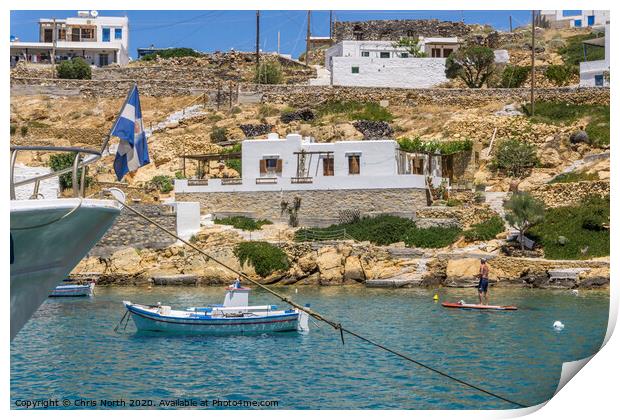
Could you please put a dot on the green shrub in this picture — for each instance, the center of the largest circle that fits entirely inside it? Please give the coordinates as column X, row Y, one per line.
column 76, row 68
column 219, row 134
column 234, row 164
column 235, row 110
column 514, row 157
column 179, row 175
column 514, row 76
column 572, row 52
column 453, row 202
column 416, row 145
column 598, row 130
column 162, row 183
column 269, row 73
column 13, row 129
column 61, row 161
column 23, row 130
column 264, row 257
column 172, row 53
column 486, row 230
column 473, row 64
column 559, row 74
column 242, row 222
column 355, row 110
column 265, row 111
column 385, row 230
column 582, row 227
column 574, row 177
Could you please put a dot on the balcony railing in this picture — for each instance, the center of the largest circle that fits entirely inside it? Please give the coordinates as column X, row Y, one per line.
column 273, row 180
column 301, row 180
column 232, row 181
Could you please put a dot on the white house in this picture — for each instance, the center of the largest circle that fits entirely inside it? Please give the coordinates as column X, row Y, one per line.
column 575, row 18
column 100, row 40
column 381, row 64
column 329, row 180
column 592, row 73
column 299, row 163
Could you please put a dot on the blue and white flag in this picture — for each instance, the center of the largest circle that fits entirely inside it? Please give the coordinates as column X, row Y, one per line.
column 132, row 150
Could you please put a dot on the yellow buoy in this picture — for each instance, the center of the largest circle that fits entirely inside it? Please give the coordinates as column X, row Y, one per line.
column 436, row 297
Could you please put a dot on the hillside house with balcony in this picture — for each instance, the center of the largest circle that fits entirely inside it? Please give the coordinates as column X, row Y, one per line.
column 368, row 177
column 100, row 40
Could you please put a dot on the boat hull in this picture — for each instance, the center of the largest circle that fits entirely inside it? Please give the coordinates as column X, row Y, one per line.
column 77, row 290
column 146, row 321
column 45, row 247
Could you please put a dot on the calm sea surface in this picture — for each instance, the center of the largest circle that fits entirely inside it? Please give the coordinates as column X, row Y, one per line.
column 69, row 350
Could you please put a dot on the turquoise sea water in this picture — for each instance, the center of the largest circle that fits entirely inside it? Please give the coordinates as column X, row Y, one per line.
column 70, row 351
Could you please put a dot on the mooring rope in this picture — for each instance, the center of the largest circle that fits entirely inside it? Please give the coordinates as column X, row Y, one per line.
column 316, row 315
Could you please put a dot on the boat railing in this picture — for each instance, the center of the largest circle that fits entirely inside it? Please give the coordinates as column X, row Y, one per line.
column 83, row 158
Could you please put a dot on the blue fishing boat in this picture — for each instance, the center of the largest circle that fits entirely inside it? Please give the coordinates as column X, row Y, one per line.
column 234, row 316
column 73, row 290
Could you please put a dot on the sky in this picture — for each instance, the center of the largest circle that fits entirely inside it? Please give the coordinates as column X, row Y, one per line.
column 220, row 30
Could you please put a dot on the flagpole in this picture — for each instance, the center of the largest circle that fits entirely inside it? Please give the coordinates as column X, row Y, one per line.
column 118, row 117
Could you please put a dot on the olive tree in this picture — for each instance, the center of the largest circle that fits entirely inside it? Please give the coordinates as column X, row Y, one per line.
column 473, row 64
column 524, row 211
column 413, row 46
column 514, row 157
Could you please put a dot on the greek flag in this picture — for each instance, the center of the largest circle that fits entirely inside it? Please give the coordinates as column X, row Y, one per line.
column 132, row 150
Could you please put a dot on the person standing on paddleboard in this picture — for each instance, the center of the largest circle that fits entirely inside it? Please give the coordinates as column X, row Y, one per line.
column 483, row 284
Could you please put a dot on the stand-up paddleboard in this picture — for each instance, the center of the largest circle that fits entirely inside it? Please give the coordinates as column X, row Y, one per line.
column 475, row 306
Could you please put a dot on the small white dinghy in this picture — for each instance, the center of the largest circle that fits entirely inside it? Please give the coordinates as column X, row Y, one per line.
column 234, row 316
column 73, row 290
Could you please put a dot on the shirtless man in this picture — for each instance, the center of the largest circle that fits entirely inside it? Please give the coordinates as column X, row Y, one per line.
column 483, row 284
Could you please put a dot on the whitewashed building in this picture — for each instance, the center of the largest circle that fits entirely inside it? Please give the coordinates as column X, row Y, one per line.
column 594, row 73
column 575, row 18
column 100, row 40
column 381, row 64
column 371, row 176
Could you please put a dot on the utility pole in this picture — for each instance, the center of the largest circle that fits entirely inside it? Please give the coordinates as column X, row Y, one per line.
column 510, row 20
column 278, row 42
column 53, row 58
column 331, row 24
column 257, row 44
column 308, row 38
column 533, row 54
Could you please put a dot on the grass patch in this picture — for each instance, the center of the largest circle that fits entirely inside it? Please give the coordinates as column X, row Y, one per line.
column 563, row 113
column 385, row 230
column 242, row 222
column 575, row 232
column 355, row 110
column 572, row 51
column 172, row 53
column 416, row 145
column 486, row 230
column 574, row 177
column 264, row 257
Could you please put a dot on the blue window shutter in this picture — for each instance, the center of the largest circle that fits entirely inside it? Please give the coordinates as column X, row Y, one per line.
column 105, row 34
column 118, row 33
column 577, row 23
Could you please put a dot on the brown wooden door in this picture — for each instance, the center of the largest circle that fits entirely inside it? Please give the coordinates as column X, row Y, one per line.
column 328, row 166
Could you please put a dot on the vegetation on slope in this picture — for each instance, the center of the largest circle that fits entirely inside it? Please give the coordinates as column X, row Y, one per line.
column 514, row 158
column 579, row 231
column 385, row 230
column 563, row 113
column 243, row 223
column 486, row 230
column 355, row 110
column 415, row 145
column 264, row 257
column 574, row 177
column 572, row 52
column 172, row 53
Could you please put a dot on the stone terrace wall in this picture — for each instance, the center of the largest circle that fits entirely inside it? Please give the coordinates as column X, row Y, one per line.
column 466, row 215
column 393, row 30
column 130, row 230
column 563, row 194
column 304, row 95
column 318, row 208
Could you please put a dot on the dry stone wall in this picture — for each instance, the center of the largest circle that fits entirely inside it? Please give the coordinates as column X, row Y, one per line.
column 393, row 30
column 564, row 194
column 130, row 230
column 318, row 208
column 305, row 95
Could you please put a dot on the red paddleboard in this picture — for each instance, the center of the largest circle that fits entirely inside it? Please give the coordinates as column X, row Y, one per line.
column 475, row 306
